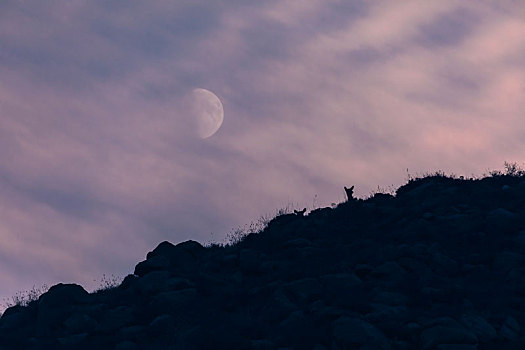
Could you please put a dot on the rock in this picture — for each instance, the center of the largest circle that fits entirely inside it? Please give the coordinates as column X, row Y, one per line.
column 510, row 329
column 63, row 294
column 390, row 270
column 216, row 337
column 416, row 190
column 505, row 261
column 176, row 283
column 325, row 312
column 502, row 220
column 283, row 301
column 442, row 321
column 173, row 300
column 130, row 332
column 229, row 260
column 297, row 243
column 163, row 249
column 80, row 322
column 340, row 281
column 152, row 282
column 479, row 326
column 428, row 216
column 72, row 340
column 382, row 197
column 386, row 313
column 126, row 345
column 54, row 306
column 12, row 310
column 263, row 344
column 161, row 325
column 389, row 298
column 128, row 281
column 351, row 333
column 346, row 290
column 115, row 319
column 303, row 290
column 283, row 220
column 297, row 330
column 13, row 319
column 183, row 256
column 362, row 270
column 520, row 237
column 158, row 263
column 249, row 261
column 443, row 263
column 438, row 335
column 457, row 347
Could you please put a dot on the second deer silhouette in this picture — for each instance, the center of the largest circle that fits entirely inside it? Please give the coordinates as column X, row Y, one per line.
column 299, row 212
column 349, row 193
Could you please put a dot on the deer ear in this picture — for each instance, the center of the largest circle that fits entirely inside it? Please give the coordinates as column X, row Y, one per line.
column 351, row 188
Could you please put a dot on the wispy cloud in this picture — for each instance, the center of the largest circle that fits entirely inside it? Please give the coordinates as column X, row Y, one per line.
column 98, row 164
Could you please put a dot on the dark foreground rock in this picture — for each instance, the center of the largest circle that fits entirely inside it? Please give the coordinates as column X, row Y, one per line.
column 440, row 266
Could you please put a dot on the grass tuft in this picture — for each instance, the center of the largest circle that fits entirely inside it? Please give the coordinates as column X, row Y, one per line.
column 24, row 298
column 108, row 282
column 255, row 227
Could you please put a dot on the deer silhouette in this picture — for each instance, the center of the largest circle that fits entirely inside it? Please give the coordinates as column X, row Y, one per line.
column 300, row 212
column 349, row 193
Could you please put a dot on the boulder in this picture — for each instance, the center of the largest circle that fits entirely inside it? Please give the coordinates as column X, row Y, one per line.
column 480, row 327
column 54, row 306
column 115, row 319
column 63, row 294
column 436, row 335
column 263, row 344
column 161, row 325
column 14, row 319
column 340, row 280
column 72, row 340
column 79, row 322
column 169, row 257
column 158, row 263
column 510, row 329
column 389, row 271
column 353, row 333
column 303, row 290
column 457, row 347
column 382, row 313
column 172, row 302
column 249, row 261
column 126, row 345
column 502, row 220
column 298, row 330
column 152, row 282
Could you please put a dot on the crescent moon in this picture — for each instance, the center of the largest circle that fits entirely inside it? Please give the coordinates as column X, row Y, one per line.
column 208, row 112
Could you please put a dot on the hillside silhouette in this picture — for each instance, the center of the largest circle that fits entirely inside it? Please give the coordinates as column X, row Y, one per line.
column 440, row 265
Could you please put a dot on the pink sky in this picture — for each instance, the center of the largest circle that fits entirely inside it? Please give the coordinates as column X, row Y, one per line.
column 98, row 165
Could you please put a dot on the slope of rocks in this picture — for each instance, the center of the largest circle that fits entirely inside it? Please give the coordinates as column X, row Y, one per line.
column 438, row 266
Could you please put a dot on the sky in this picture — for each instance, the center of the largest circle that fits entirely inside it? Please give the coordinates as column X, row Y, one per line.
column 98, row 161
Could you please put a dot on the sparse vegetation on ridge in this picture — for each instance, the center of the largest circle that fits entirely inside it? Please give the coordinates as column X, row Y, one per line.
column 436, row 265
column 237, row 235
column 24, row 298
column 108, row 282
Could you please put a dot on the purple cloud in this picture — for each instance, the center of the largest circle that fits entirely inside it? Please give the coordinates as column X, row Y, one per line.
column 98, row 162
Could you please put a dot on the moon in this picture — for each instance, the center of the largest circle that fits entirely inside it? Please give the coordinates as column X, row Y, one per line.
column 207, row 112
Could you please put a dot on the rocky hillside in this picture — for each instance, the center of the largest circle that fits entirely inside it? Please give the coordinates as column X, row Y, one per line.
column 440, row 265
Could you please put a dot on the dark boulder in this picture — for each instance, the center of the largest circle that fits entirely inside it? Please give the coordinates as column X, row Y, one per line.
column 183, row 256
